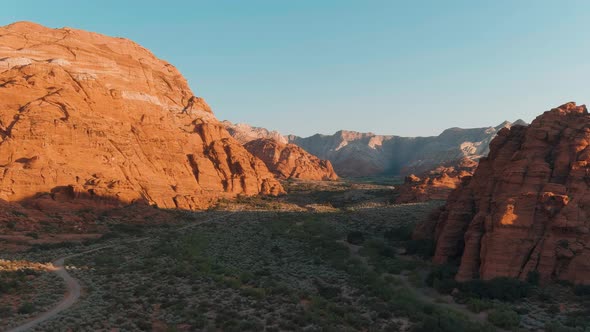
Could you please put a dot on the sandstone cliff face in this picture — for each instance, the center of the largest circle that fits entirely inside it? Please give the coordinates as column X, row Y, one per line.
column 436, row 184
column 527, row 207
column 245, row 133
column 366, row 154
column 288, row 161
column 105, row 117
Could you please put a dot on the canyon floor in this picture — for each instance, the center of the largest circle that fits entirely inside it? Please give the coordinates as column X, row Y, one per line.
column 328, row 256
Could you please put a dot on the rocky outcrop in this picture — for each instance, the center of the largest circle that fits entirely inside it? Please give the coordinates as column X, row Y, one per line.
column 366, row 154
column 527, row 207
column 245, row 133
column 436, row 184
column 288, row 161
column 103, row 116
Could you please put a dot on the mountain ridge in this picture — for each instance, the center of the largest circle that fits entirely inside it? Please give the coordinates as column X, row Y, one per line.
column 355, row 154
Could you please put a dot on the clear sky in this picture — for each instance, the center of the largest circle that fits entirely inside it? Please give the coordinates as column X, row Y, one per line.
column 391, row 67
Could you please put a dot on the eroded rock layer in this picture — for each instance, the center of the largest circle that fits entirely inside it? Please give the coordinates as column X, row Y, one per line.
column 436, row 184
column 105, row 117
column 245, row 133
column 527, row 207
column 288, row 161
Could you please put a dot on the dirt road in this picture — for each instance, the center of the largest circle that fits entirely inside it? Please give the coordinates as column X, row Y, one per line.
column 73, row 285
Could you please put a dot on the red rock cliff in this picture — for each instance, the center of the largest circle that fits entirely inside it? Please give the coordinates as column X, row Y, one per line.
column 436, row 184
column 527, row 207
column 105, row 117
column 288, row 161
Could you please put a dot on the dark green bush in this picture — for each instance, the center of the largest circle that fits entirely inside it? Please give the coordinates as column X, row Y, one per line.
column 445, row 286
column 26, row 308
column 503, row 288
column 578, row 320
column 504, row 318
column 478, row 305
column 582, row 290
column 423, row 248
column 327, row 291
column 5, row 311
column 446, row 321
column 401, row 233
column 558, row 327
column 441, row 272
column 355, row 237
column 533, row 278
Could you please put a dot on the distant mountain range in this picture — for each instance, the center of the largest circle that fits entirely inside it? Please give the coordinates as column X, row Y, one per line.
column 355, row 154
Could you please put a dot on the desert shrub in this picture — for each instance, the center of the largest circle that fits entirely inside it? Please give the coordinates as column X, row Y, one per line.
column 247, row 277
column 355, row 237
column 401, row 233
column 27, row 308
column 33, row 235
column 279, row 289
column 130, row 229
column 18, row 213
column 50, row 246
column 565, row 283
column 578, row 320
column 249, row 325
column 582, row 290
column 533, row 278
column 503, row 288
column 478, row 305
column 108, row 260
column 334, row 252
column 447, row 321
column 321, row 229
column 445, row 286
column 374, row 248
column 257, row 293
column 393, row 265
column 423, row 248
column 558, row 327
column 5, row 311
column 441, row 272
column 504, row 318
column 231, row 282
column 553, row 309
column 544, row 295
column 356, row 320
column 11, row 282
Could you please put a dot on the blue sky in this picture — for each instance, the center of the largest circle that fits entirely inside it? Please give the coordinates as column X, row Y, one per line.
column 391, row 67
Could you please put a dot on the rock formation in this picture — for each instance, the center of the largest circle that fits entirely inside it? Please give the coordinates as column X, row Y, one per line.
column 288, row 161
column 436, row 184
column 527, row 207
column 245, row 133
column 103, row 116
column 366, row 154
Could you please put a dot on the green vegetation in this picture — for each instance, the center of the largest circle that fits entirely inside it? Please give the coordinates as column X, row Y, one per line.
column 504, row 318
column 27, row 308
column 582, row 290
column 503, row 289
column 25, row 292
column 351, row 267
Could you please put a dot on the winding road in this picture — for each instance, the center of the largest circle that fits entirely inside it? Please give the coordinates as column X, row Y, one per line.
column 73, row 287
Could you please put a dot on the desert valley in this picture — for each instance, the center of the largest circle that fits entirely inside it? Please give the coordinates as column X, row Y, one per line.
column 126, row 205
